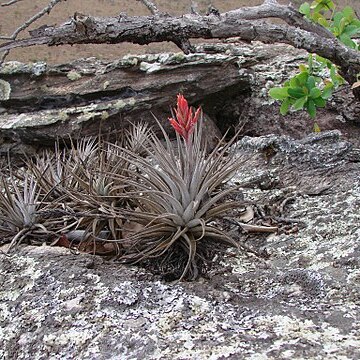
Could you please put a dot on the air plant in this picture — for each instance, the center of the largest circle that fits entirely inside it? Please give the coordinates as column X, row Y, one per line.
column 148, row 198
column 21, row 205
column 176, row 192
column 93, row 188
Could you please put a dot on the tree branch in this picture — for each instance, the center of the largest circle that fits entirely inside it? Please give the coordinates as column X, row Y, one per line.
column 242, row 23
column 11, row 2
column 151, row 6
column 271, row 9
column 27, row 23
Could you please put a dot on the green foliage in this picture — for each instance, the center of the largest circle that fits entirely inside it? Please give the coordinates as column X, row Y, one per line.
column 310, row 88
column 343, row 24
column 315, row 82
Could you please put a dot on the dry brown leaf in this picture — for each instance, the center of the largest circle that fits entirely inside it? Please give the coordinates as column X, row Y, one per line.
column 355, row 85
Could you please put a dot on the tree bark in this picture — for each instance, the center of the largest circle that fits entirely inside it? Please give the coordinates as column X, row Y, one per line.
column 243, row 23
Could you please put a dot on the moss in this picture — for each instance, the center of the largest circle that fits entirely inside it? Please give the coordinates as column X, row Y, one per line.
column 73, row 75
column 121, row 104
column 5, row 90
column 104, row 115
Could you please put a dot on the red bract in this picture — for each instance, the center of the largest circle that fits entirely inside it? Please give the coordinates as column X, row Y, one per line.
column 185, row 118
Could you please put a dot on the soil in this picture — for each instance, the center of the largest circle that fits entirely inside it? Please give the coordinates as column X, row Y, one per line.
column 11, row 17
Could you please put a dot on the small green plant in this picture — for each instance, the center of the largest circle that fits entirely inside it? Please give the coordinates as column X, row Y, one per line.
column 343, row 24
column 316, row 81
column 308, row 90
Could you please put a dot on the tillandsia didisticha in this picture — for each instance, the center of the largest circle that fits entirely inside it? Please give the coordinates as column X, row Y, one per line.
column 185, row 118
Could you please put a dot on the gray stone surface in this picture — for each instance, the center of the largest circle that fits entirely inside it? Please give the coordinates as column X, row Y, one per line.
column 302, row 302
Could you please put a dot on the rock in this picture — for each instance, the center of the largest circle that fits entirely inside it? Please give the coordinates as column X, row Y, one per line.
column 302, row 301
column 42, row 103
column 87, row 96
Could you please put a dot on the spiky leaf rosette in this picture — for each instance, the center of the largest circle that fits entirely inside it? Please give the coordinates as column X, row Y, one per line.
column 177, row 192
column 91, row 187
column 21, row 211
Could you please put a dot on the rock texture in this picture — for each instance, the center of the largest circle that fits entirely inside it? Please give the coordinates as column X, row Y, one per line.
column 40, row 103
column 299, row 302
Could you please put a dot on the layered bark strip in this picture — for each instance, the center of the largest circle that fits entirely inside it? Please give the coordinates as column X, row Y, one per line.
column 40, row 103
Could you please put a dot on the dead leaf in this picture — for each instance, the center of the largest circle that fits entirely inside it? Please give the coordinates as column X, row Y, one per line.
column 355, row 85
column 258, row 228
column 247, row 215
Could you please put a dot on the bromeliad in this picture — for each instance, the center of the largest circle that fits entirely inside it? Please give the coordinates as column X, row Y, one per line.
column 185, row 118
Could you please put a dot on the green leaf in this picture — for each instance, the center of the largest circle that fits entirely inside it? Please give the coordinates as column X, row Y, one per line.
column 334, row 76
column 299, row 103
column 323, row 22
column 311, row 109
column 279, row 93
column 320, row 102
column 296, row 92
column 327, row 92
column 320, row 59
column 310, row 83
column 305, row 9
column 302, row 78
column 329, row 4
column 351, row 30
column 294, row 82
column 356, row 22
column 315, row 93
column 284, row 108
column 342, row 25
column 318, row 8
column 302, row 68
column 337, row 18
column 345, row 39
column 348, row 12
column 335, row 30
column 322, row 5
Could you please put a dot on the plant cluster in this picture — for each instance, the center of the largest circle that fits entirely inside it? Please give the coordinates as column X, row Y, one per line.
column 308, row 89
column 141, row 198
column 343, row 24
column 316, row 81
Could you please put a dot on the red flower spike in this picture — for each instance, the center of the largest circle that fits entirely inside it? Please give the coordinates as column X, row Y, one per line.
column 185, row 118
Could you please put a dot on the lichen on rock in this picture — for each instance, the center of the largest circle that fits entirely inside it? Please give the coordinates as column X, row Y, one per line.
column 5, row 90
column 300, row 302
